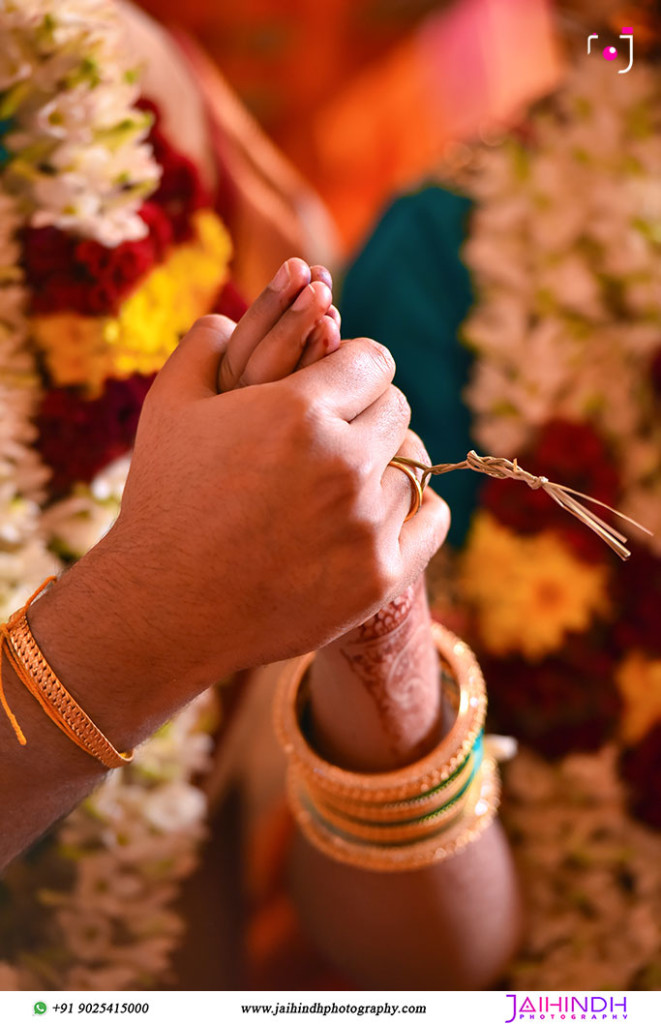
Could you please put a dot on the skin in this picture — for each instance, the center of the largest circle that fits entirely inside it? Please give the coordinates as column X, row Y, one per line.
column 375, row 705
column 256, row 525
column 374, row 693
column 375, row 698
column 288, row 327
column 310, row 545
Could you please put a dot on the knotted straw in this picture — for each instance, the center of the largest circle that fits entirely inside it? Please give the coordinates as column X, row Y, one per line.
column 566, row 497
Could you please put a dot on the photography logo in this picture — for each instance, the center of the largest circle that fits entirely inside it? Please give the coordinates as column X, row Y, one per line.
column 523, row 1007
column 611, row 53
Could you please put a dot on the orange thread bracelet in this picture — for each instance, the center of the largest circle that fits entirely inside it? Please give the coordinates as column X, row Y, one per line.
column 30, row 666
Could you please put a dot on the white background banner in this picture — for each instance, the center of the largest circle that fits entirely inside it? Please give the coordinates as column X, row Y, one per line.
column 331, row 1007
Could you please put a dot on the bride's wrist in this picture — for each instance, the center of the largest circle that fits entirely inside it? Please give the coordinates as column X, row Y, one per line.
column 375, row 702
column 409, row 817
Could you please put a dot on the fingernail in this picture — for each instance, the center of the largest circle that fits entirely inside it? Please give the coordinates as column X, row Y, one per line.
column 304, row 299
column 322, row 274
column 281, row 279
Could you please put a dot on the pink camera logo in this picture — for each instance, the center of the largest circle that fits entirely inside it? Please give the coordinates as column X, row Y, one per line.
column 610, row 52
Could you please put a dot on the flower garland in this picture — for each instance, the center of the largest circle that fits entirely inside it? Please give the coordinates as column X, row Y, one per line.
column 87, row 350
column 564, row 252
column 591, row 876
column 76, row 155
column 101, row 283
column 567, row 334
column 23, row 555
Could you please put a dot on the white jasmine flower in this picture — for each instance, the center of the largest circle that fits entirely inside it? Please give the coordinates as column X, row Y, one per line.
column 175, row 807
column 77, row 94
column 112, row 978
column 108, row 485
column 79, row 522
column 572, row 865
column 88, row 933
column 574, row 286
column 128, row 845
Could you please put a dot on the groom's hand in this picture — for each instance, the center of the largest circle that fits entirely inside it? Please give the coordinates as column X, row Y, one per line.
column 255, row 525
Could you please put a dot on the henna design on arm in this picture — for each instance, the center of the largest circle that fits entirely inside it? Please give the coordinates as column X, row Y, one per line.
column 375, row 692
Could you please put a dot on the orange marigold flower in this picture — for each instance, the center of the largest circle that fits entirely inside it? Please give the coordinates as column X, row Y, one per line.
column 639, row 681
column 528, row 593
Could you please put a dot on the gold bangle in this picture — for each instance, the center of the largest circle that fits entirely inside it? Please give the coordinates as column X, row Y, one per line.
column 398, row 820
column 477, row 813
column 386, row 832
column 37, row 676
column 402, row 811
column 412, row 781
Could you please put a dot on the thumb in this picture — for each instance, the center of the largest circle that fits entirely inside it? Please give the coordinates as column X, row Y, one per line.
column 193, row 367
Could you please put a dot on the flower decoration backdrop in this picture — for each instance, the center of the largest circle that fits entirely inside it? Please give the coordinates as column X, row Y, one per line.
column 564, row 251
column 110, row 249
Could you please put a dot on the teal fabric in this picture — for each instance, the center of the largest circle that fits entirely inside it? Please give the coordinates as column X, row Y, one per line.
column 409, row 289
column 5, row 127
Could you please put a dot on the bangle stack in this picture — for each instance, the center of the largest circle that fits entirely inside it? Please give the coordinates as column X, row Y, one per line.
column 404, row 819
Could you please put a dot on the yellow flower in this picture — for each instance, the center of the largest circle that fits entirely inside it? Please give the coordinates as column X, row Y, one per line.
column 528, row 592
column 639, row 681
column 86, row 351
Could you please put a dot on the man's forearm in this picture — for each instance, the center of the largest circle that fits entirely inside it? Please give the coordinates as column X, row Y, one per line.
column 228, row 552
column 41, row 781
column 92, row 631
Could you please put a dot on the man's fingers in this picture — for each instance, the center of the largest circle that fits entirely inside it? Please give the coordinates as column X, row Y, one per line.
column 384, row 426
column 261, row 317
column 399, row 492
column 422, row 536
column 193, row 366
column 349, row 380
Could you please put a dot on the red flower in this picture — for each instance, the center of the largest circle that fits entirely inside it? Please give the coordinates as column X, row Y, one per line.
column 180, row 191
column 638, row 591
column 59, row 293
column 94, row 258
column 45, row 251
column 78, row 437
column 641, row 769
column 230, row 302
column 567, row 453
column 160, row 230
column 144, row 103
column 655, row 372
column 566, row 703
column 87, row 277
